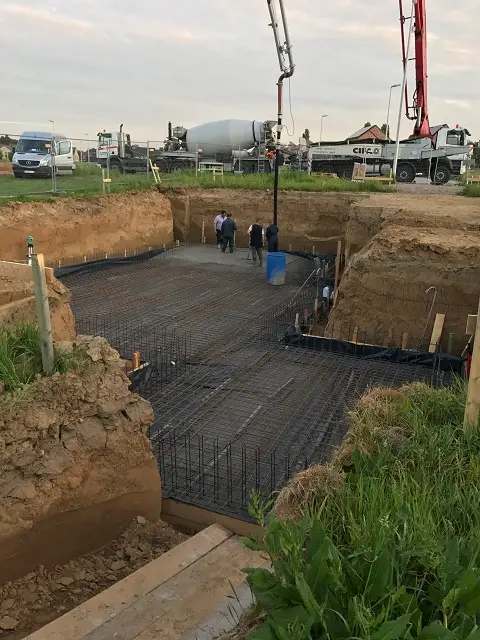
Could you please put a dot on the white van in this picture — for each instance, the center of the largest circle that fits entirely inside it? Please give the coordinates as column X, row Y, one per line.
column 33, row 157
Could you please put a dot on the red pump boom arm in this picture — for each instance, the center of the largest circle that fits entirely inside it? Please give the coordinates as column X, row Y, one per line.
column 417, row 106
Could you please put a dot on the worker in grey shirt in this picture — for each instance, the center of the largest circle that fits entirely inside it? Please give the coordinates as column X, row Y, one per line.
column 229, row 227
column 217, row 225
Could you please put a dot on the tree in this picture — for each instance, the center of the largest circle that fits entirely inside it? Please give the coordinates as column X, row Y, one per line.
column 306, row 135
column 367, row 124
column 476, row 152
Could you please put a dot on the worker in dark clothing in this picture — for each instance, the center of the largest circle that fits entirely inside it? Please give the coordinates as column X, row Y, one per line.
column 256, row 234
column 229, row 227
column 272, row 238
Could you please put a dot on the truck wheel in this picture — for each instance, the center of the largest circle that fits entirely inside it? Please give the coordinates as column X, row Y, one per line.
column 162, row 166
column 327, row 168
column 441, row 174
column 405, row 173
column 346, row 173
column 114, row 166
column 178, row 165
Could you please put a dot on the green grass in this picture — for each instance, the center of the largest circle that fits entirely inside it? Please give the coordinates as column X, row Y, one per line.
column 471, row 190
column 88, row 182
column 21, row 358
column 393, row 551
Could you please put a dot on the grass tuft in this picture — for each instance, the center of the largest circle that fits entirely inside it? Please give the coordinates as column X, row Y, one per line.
column 21, row 357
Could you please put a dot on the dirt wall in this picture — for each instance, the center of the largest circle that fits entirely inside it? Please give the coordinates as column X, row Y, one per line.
column 17, row 300
column 75, row 463
column 72, row 227
column 305, row 218
column 383, row 291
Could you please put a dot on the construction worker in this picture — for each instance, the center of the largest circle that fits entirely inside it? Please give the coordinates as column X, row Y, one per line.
column 217, row 225
column 256, row 234
column 272, row 238
column 228, row 229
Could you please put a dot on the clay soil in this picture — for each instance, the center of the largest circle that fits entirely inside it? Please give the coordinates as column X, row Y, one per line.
column 33, row 601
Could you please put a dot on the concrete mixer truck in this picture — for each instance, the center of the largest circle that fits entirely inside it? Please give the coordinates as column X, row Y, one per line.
column 241, row 145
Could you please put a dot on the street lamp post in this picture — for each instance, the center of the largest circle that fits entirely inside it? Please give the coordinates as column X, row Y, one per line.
column 387, row 132
column 325, row 115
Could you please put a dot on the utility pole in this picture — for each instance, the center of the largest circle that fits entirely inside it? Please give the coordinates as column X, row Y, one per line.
column 287, row 67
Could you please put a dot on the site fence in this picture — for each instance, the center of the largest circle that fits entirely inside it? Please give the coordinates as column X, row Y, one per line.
column 203, row 164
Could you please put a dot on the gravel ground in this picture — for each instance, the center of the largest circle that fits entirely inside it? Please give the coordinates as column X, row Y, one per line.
column 33, row 601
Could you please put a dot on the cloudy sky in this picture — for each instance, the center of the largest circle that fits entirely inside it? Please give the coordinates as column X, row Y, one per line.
column 91, row 64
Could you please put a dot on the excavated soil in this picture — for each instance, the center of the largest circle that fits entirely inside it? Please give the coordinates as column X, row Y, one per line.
column 399, row 246
column 306, row 219
column 74, row 227
column 396, row 244
column 33, row 601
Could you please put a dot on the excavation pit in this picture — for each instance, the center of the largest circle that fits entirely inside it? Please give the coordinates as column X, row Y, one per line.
column 236, row 409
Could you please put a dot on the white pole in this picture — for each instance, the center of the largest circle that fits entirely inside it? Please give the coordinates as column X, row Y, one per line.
column 321, row 127
column 404, row 82
column 387, row 132
column 52, row 158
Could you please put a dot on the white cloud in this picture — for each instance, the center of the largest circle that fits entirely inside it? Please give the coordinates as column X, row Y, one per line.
column 191, row 61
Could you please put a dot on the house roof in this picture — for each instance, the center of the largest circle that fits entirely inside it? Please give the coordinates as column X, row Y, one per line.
column 364, row 130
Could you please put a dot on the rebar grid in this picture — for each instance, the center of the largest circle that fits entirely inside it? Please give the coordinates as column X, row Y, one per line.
column 236, row 409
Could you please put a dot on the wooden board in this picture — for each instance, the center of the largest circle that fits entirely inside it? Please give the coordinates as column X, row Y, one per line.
column 436, row 332
column 471, row 324
column 472, row 407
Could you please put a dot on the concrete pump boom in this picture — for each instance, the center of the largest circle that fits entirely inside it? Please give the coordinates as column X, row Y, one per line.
column 417, row 107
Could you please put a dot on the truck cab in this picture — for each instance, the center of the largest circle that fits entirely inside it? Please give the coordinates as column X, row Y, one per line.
column 448, row 138
column 33, row 155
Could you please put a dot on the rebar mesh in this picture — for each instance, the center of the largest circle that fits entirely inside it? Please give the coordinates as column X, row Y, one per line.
column 238, row 410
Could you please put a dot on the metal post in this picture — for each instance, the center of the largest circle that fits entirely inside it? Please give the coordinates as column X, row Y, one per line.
column 148, row 159
column 88, row 150
column 30, row 249
column 43, row 313
column 404, row 82
column 52, row 156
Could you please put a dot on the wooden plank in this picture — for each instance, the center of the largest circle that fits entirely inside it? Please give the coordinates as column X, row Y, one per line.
column 355, row 335
column 196, row 518
column 97, row 611
column 436, row 332
column 404, row 341
column 174, row 608
column 472, row 408
column 471, row 324
column 43, row 313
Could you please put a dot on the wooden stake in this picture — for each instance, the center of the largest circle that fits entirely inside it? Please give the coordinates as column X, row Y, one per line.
column 305, row 317
column 471, row 324
column 297, row 321
column 405, row 341
column 43, row 313
column 472, row 408
column 337, row 268
column 436, row 332
column 136, row 360
column 177, row 243
column 355, row 334
column 315, row 311
column 203, row 231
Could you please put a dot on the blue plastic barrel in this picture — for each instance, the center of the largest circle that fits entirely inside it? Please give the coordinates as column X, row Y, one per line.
column 276, row 268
